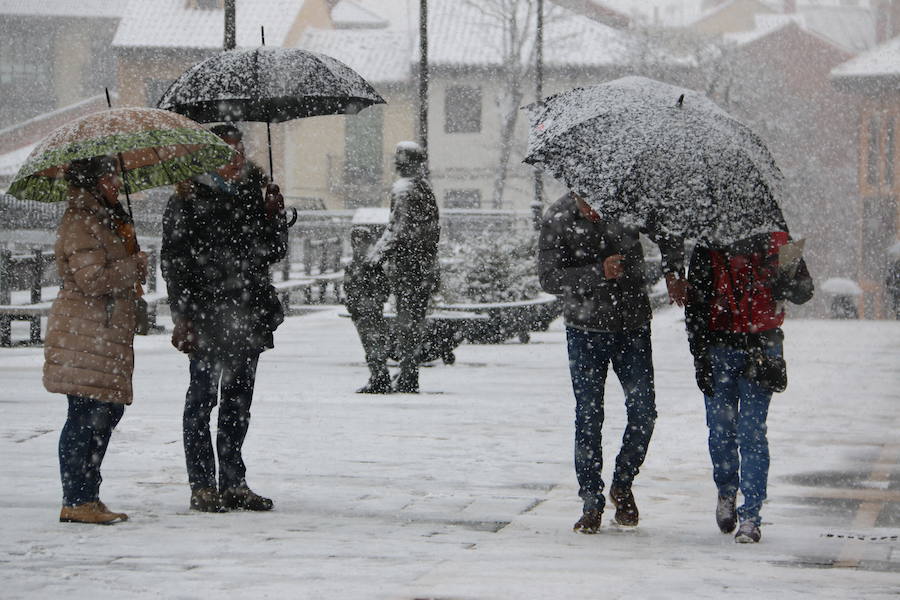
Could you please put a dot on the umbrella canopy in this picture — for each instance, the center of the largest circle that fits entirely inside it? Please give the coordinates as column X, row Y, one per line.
column 268, row 84
column 156, row 148
column 654, row 155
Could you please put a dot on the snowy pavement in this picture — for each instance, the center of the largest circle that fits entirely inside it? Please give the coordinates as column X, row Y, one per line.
column 466, row 490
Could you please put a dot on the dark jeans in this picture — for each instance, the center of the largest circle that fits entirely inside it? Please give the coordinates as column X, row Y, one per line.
column 82, row 445
column 236, row 375
column 736, row 417
column 590, row 354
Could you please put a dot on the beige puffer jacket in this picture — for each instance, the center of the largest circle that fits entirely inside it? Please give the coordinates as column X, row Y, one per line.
column 88, row 350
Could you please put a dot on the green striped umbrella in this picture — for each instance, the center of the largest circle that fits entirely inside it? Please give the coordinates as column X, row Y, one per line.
column 156, row 147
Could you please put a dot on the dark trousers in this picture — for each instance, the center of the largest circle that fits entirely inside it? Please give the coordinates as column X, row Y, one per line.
column 82, row 446
column 590, row 354
column 235, row 377
column 412, row 304
column 373, row 333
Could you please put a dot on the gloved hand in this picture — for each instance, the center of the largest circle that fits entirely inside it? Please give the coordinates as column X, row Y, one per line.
column 703, row 374
column 274, row 201
column 184, row 338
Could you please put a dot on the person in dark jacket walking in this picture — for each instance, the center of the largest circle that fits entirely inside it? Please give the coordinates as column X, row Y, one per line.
column 733, row 318
column 409, row 247
column 366, row 288
column 220, row 236
column 597, row 268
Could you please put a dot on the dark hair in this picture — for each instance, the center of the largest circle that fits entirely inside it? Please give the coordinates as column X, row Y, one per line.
column 227, row 131
column 86, row 172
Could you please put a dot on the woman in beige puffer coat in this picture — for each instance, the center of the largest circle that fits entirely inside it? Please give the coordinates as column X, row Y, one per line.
column 88, row 349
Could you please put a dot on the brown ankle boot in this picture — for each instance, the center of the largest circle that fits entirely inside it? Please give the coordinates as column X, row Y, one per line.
column 89, row 512
column 626, row 509
column 589, row 522
column 207, row 500
column 101, row 506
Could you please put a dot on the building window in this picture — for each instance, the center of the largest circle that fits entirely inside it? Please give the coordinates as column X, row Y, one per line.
column 462, row 199
column 462, row 109
column 873, row 134
column 205, row 4
column 26, row 78
column 888, row 154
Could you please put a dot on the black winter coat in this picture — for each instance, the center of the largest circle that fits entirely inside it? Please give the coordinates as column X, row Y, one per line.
column 218, row 245
column 571, row 251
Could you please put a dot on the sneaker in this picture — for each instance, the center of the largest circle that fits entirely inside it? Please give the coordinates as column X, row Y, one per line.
column 243, row 498
column 206, row 500
column 748, row 533
column 589, row 522
column 726, row 514
column 89, row 512
column 626, row 509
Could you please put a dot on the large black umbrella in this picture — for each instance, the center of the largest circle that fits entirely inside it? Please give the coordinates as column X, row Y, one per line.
column 654, row 155
column 268, row 84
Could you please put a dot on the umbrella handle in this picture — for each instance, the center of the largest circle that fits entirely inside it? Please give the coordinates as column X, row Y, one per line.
column 293, row 218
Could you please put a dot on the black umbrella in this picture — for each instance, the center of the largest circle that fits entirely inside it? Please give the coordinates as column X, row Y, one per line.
column 654, row 155
column 268, row 84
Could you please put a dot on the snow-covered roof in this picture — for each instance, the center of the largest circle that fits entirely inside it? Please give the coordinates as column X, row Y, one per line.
column 463, row 34
column 379, row 55
column 849, row 28
column 765, row 26
column 64, row 8
column 170, row 24
column 347, row 14
column 882, row 61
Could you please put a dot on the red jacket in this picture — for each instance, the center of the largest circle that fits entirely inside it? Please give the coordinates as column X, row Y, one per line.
column 743, row 299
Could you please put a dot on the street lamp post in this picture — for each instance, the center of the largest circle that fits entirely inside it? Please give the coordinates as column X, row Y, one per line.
column 423, row 75
column 230, row 24
column 537, row 205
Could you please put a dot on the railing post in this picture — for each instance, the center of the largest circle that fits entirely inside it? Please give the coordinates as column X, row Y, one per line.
column 152, row 262
column 5, row 260
column 37, row 276
column 307, row 256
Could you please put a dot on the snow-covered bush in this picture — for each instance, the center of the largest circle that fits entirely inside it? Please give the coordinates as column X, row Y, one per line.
column 489, row 268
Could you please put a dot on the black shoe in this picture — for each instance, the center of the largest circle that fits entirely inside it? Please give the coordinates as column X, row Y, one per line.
column 243, row 498
column 726, row 514
column 407, row 383
column 206, row 500
column 589, row 522
column 748, row 533
column 626, row 509
column 376, row 385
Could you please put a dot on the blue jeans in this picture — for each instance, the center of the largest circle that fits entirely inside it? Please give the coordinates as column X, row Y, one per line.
column 237, row 376
column 82, row 446
column 590, row 354
column 736, row 417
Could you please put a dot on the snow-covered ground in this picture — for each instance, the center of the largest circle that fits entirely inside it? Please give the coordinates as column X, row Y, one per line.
column 466, row 490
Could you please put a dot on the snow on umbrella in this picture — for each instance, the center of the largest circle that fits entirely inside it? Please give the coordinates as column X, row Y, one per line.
column 268, row 84
column 654, row 155
column 156, row 148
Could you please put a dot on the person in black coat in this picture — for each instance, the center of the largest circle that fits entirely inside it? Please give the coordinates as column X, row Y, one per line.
column 597, row 268
column 220, row 236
